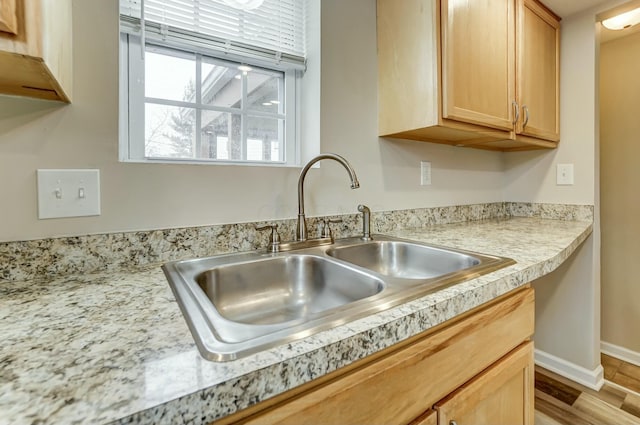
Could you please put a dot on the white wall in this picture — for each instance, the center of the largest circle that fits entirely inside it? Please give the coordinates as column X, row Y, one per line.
column 620, row 103
column 567, row 311
column 35, row 134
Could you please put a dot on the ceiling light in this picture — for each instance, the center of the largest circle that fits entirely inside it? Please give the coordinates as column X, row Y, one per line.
column 244, row 4
column 622, row 21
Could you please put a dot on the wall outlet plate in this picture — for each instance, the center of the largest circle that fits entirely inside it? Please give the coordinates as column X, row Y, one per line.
column 425, row 173
column 68, row 193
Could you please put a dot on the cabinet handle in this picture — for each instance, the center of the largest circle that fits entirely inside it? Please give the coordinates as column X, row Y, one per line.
column 526, row 116
column 517, row 112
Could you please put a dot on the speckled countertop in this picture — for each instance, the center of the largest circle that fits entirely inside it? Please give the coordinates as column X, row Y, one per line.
column 114, row 347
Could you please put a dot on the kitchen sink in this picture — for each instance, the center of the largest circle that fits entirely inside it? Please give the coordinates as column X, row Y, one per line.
column 243, row 303
column 404, row 259
column 283, row 289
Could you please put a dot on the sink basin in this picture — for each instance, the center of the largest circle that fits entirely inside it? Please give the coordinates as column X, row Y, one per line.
column 404, row 259
column 243, row 303
column 282, row 289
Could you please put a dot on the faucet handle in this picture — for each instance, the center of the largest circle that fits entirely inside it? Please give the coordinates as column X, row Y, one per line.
column 274, row 240
column 326, row 228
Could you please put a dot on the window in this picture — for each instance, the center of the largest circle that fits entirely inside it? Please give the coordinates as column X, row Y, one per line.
column 211, row 80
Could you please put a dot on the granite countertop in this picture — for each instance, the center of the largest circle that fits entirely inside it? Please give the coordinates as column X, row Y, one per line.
column 114, row 347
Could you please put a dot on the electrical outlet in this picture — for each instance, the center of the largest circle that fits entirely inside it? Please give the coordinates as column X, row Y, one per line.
column 68, row 193
column 425, row 173
column 564, row 174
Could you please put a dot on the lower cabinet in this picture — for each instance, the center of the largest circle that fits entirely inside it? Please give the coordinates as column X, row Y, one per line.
column 501, row 395
column 475, row 369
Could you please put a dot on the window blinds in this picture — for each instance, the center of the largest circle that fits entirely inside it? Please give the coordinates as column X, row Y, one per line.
column 274, row 32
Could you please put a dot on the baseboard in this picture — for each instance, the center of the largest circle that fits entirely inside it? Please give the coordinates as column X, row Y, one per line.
column 621, row 388
column 621, row 353
column 593, row 379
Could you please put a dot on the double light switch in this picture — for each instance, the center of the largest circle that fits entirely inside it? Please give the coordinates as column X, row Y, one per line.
column 68, row 193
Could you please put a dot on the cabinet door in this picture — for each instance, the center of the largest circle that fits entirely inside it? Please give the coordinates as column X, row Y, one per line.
column 538, row 71
column 478, row 61
column 501, row 395
column 8, row 17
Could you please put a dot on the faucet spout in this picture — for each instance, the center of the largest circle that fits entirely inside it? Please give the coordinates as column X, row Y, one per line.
column 301, row 232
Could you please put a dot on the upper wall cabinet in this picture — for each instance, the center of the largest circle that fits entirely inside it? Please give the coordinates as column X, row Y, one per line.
column 469, row 73
column 35, row 49
column 538, row 69
column 478, row 62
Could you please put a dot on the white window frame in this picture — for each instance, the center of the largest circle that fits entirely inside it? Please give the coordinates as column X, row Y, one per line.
column 302, row 81
column 132, row 108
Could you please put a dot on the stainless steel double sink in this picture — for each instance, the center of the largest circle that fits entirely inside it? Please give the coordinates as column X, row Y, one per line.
column 243, row 303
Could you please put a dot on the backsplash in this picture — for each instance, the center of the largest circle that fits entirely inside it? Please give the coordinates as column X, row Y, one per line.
column 27, row 260
column 550, row 211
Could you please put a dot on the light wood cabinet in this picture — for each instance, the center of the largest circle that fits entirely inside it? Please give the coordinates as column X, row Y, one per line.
column 501, row 395
column 8, row 17
column 430, row 417
column 467, row 73
column 401, row 384
column 478, row 68
column 538, row 71
column 35, row 49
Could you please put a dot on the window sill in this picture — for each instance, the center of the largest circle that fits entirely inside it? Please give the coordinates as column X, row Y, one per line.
column 206, row 162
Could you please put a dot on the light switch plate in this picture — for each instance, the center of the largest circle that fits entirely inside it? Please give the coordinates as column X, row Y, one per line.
column 564, row 174
column 68, row 193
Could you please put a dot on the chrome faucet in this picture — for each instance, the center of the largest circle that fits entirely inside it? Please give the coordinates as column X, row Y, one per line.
column 301, row 232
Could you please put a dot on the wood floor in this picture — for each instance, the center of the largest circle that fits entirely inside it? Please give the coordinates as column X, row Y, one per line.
column 621, row 373
column 560, row 401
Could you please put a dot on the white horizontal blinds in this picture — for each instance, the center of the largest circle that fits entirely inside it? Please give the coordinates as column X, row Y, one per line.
column 273, row 30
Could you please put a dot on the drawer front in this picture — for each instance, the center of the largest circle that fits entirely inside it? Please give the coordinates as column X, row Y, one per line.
column 400, row 386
